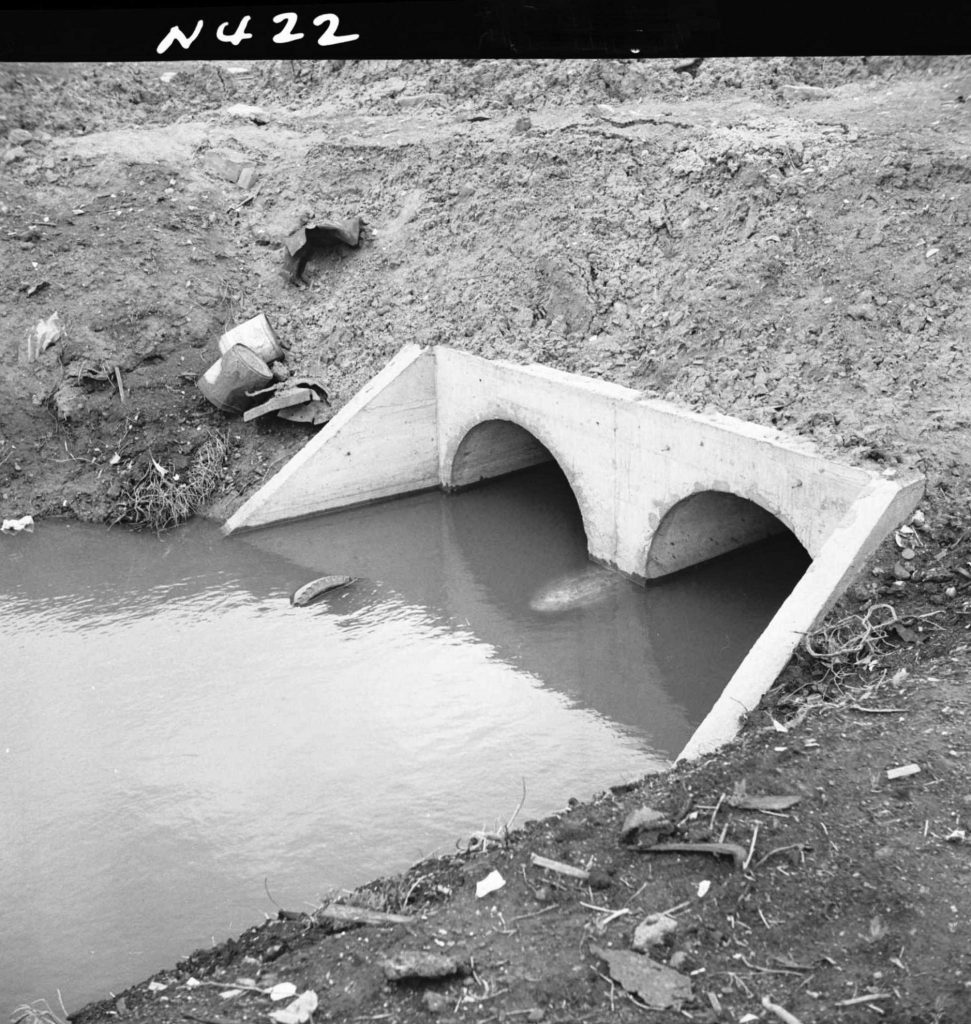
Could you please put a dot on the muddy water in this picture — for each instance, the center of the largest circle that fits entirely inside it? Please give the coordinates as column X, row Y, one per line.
column 173, row 732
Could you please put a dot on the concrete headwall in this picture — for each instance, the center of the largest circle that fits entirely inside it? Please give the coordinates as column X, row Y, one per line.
column 659, row 488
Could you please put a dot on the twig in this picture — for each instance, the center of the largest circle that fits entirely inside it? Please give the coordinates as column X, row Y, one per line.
column 876, row 711
column 733, row 850
column 360, row 915
column 783, row 1015
column 781, row 849
column 768, row 970
column 559, row 867
column 751, row 849
column 863, row 999
column 714, row 813
column 266, row 886
column 121, row 387
column 209, row 1020
column 535, row 913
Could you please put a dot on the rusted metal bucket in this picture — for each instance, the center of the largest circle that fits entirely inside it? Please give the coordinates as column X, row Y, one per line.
column 255, row 334
column 226, row 382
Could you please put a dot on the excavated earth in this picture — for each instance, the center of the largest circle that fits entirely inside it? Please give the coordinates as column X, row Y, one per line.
column 785, row 241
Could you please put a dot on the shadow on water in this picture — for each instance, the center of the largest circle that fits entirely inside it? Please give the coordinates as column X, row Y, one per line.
column 653, row 659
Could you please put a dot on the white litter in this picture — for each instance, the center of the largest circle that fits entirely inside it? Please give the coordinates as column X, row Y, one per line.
column 703, row 888
column 298, row 1011
column 24, row 524
column 490, row 883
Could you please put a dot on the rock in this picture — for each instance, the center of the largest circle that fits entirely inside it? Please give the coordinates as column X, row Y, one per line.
column 862, row 311
column 247, row 112
column 247, row 178
column 226, row 164
column 523, row 124
column 68, row 401
column 678, row 960
column 659, row 986
column 599, row 879
column 417, row 963
column 422, row 99
column 654, row 930
column 14, row 153
column 804, row 92
column 645, row 824
column 18, row 136
column 434, row 1002
column 900, row 571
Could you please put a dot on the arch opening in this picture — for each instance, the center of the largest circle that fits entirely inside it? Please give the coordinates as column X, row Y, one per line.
column 708, row 524
column 492, row 449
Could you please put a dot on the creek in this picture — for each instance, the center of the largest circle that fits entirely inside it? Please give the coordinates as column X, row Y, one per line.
column 176, row 737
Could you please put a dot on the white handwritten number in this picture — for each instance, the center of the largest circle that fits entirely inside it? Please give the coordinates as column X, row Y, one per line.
column 238, row 36
column 176, row 35
column 286, row 34
column 330, row 38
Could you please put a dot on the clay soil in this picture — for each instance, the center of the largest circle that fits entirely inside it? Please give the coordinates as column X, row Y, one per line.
column 733, row 241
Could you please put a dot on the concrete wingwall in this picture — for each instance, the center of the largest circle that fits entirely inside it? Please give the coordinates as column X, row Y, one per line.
column 659, row 488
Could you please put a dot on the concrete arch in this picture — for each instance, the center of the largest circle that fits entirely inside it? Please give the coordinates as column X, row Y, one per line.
column 707, row 523
column 496, row 446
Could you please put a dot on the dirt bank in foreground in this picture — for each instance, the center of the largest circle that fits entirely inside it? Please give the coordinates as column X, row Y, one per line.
column 784, row 241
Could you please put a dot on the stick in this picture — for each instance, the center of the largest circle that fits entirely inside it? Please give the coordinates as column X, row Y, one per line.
column 751, row 849
column 121, row 387
column 863, row 999
column 733, row 850
column 783, row 1015
column 360, row 915
column 558, row 866
column 780, row 849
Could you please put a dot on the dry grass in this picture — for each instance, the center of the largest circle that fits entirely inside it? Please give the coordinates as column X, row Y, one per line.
column 38, row 1012
column 159, row 501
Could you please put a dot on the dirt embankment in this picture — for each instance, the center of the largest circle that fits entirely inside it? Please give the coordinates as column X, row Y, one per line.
column 786, row 241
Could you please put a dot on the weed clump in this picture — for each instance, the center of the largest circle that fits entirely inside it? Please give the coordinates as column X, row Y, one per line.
column 159, row 500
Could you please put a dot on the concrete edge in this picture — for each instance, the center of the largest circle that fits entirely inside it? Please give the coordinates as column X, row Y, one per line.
column 402, row 360
column 883, row 506
column 757, row 432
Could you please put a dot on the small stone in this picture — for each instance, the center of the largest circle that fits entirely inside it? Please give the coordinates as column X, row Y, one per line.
column 536, row 1015
column 900, row 571
column 247, row 178
column 862, row 311
column 434, row 1002
column 18, row 136
column 678, row 960
column 14, row 153
column 654, row 930
column 804, row 92
column 907, row 554
column 599, row 879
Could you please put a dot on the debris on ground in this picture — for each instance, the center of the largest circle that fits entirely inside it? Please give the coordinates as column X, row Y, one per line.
column 25, row 524
column 299, row 1011
column 744, row 801
column 317, row 588
column 491, row 883
column 645, row 825
column 416, row 963
column 230, row 165
column 658, row 986
column 317, row 235
column 654, row 930
column 45, row 334
column 287, row 395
